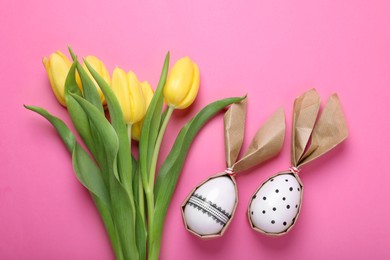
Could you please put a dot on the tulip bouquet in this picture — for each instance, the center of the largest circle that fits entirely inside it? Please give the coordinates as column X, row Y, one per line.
column 131, row 198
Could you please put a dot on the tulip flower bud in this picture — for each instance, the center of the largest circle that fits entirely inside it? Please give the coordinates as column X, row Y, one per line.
column 182, row 84
column 57, row 68
column 148, row 95
column 129, row 94
column 136, row 131
column 100, row 68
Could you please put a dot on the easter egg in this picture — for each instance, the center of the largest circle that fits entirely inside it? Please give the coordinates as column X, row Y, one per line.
column 276, row 204
column 209, row 208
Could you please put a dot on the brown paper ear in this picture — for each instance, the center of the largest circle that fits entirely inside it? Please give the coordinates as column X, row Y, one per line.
column 267, row 142
column 330, row 130
column 234, row 121
column 305, row 113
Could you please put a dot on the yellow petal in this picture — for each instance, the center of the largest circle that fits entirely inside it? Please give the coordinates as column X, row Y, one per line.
column 57, row 68
column 101, row 69
column 137, row 100
column 136, row 130
column 179, row 81
column 191, row 95
column 120, row 86
column 148, row 93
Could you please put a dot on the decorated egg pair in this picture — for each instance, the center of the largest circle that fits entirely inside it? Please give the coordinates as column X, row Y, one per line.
column 209, row 208
column 275, row 206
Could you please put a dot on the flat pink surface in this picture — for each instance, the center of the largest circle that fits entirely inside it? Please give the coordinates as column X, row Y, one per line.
column 272, row 50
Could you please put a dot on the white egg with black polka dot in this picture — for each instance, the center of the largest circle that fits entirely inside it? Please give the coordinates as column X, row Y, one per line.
column 276, row 204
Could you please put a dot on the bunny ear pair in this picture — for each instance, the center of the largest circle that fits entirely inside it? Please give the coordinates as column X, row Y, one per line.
column 275, row 206
column 208, row 209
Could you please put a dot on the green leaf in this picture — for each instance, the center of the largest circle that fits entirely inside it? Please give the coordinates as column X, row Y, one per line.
column 89, row 89
column 124, row 222
column 140, row 233
column 171, row 168
column 122, row 211
column 140, row 225
column 87, row 173
column 136, row 174
column 91, row 94
column 124, row 155
column 151, row 124
column 79, row 118
column 70, row 81
column 110, row 226
column 72, row 53
column 163, row 115
column 66, row 135
column 104, row 129
column 86, row 170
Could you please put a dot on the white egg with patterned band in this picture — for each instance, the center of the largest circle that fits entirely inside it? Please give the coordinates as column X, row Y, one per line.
column 209, row 208
column 276, row 204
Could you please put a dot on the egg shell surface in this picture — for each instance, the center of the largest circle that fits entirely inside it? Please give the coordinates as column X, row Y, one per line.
column 276, row 204
column 211, row 205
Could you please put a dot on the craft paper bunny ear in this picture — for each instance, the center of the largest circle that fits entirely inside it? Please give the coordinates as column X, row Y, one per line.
column 276, row 204
column 208, row 209
column 267, row 143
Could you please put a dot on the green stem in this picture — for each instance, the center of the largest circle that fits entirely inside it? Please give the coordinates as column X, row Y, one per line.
column 129, row 126
column 150, row 205
column 141, row 199
column 127, row 181
column 152, row 173
column 156, row 151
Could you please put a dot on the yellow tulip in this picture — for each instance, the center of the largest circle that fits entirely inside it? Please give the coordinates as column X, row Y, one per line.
column 136, row 130
column 100, row 68
column 57, row 68
column 148, row 95
column 128, row 91
column 182, row 84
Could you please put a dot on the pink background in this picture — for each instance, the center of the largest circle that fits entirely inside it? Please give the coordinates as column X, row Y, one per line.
column 272, row 50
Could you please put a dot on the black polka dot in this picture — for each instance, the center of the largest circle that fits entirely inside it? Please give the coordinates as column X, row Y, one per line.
column 273, row 221
column 298, row 189
column 254, row 197
column 288, row 206
column 277, row 191
column 284, row 198
column 296, row 206
column 264, row 198
column 274, row 209
column 291, row 188
column 263, row 211
column 284, row 223
column 252, row 212
column 286, row 180
column 272, row 179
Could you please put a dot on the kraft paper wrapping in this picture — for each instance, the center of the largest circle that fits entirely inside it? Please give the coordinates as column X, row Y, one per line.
column 234, row 121
column 267, row 142
column 311, row 139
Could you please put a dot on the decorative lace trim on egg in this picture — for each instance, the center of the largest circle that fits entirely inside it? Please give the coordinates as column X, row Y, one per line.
column 211, row 209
